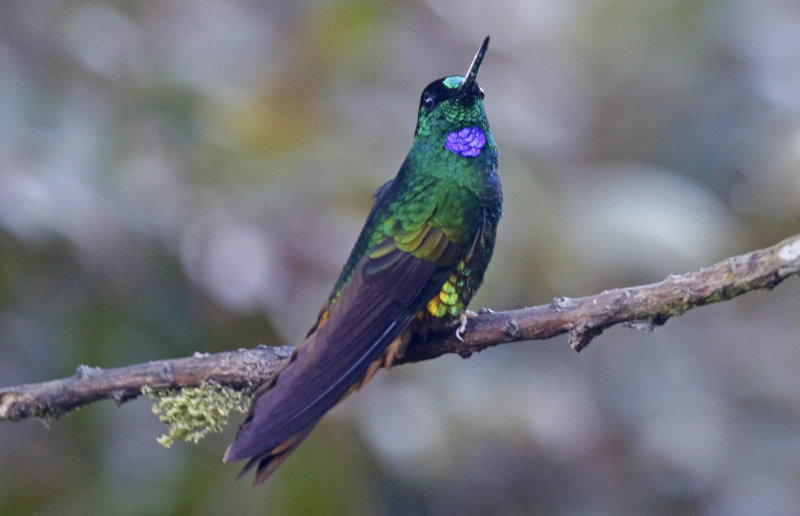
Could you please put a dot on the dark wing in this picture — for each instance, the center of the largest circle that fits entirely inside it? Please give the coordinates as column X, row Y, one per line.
column 388, row 288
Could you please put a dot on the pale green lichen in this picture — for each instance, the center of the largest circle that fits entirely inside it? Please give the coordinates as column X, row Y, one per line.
column 193, row 412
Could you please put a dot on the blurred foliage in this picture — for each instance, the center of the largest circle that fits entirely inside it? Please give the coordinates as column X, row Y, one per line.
column 189, row 176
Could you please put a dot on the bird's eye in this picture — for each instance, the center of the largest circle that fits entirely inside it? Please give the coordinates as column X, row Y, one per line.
column 428, row 101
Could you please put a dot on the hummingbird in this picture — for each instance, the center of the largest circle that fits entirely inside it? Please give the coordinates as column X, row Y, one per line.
column 417, row 262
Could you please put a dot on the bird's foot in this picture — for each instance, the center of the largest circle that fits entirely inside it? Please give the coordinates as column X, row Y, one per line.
column 463, row 318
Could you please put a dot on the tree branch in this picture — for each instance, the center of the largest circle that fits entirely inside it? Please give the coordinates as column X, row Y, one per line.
column 642, row 307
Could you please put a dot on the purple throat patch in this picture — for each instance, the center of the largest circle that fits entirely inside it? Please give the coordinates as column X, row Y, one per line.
column 467, row 142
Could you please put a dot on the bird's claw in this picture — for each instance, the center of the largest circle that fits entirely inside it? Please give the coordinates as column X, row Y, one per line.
column 463, row 318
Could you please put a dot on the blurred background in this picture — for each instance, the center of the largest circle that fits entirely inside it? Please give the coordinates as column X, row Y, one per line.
column 190, row 176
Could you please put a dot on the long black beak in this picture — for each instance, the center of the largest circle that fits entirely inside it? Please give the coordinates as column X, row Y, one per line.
column 472, row 73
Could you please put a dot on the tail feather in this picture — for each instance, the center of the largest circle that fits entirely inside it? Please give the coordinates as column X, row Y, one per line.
column 372, row 313
column 268, row 462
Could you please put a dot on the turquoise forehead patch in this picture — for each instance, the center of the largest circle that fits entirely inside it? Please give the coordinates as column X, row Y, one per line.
column 453, row 82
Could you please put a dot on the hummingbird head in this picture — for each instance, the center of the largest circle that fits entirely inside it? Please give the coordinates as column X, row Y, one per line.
column 451, row 111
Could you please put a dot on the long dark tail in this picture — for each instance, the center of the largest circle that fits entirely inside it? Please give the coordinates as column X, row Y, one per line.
column 267, row 463
column 372, row 310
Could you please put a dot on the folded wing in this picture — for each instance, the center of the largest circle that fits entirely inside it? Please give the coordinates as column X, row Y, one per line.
column 390, row 285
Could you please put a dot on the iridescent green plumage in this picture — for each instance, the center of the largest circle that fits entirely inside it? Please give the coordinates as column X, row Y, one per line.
column 418, row 260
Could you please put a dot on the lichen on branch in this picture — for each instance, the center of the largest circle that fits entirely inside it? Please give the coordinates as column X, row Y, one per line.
column 193, row 412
